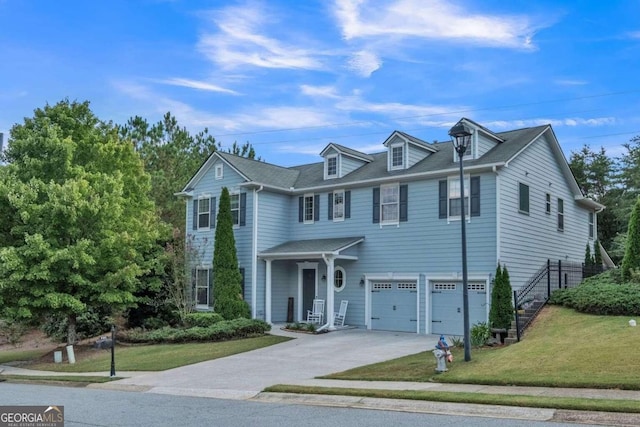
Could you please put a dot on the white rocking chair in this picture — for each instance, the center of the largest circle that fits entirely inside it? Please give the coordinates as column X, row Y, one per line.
column 316, row 314
column 338, row 318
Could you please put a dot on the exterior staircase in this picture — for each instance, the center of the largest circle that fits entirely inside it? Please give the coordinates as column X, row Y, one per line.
column 525, row 317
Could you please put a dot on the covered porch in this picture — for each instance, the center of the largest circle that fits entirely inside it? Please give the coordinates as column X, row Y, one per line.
column 314, row 261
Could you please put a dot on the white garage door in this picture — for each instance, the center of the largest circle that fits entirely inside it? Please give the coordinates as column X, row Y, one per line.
column 394, row 306
column 446, row 306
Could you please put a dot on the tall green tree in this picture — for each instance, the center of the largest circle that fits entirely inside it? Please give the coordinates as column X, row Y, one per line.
column 227, row 280
column 501, row 312
column 171, row 155
column 631, row 260
column 78, row 225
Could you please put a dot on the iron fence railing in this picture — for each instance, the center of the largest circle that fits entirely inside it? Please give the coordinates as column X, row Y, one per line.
column 530, row 299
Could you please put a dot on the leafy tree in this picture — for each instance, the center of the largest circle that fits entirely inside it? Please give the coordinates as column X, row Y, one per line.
column 597, row 255
column 501, row 312
column 171, row 155
column 631, row 260
column 227, row 289
column 78, row 227
column 588, row 259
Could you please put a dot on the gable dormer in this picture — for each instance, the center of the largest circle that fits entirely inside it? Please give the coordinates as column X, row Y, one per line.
column 405, row 150
column 482, row 140
column 340, row 161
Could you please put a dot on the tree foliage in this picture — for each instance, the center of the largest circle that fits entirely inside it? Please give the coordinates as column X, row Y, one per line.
column 631, row 260
column 501, row 312
column 227, row 289
column 78, row 226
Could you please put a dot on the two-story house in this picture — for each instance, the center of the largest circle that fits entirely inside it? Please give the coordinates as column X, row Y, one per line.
column 383, row 230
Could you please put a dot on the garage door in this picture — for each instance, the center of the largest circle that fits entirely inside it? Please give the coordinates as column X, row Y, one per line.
column 446, row 306
column 393, row 306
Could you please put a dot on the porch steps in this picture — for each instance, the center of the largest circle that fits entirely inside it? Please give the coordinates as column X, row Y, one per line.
column 529, row 314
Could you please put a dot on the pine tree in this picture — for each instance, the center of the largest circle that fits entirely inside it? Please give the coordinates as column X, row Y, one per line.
column 631, row 260
column 588, row 259
column 597, row 255
column 227, row 289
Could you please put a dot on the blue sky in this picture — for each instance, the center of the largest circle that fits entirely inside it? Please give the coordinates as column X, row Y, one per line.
column 291, row 76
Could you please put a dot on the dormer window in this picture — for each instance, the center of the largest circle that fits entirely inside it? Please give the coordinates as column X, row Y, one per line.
column 332, row 166
column 397, row 156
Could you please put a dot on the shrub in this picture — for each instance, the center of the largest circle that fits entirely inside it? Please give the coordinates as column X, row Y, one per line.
column 501, row 312
column 480, row 334
column 88, row 324
column 221, row 331
column 601, row 294
column 202, row 319
column 12, row 331
column 154, row 323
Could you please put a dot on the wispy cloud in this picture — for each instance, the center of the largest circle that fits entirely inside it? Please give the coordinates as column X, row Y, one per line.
column 320, row 91
column 432, row 19
column 634, row 34
column 568, row 122
column 196, row 84
column 364, row 63
column 570, row 82
column 240, row 39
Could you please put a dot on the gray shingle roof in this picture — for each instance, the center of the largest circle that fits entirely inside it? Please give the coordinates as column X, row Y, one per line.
column 312, row 175
column 314, row 246
column 351, row 152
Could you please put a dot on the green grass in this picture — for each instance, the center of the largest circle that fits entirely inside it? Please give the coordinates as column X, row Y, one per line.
column 607, row 405
column 563, row 348
column 13, row 355
column 49, row 379
column 157, row 357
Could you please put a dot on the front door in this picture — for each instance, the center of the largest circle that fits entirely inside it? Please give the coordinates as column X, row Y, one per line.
column 308, row 290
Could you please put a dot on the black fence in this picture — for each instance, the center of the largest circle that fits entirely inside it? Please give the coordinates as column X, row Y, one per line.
column 530, row 299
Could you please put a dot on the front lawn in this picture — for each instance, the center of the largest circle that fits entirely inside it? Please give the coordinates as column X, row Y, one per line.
column 563, row 348
column 158, row 357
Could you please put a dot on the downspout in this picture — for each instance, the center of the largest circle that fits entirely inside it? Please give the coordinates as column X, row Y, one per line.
column 254, row 255
column 330, row 294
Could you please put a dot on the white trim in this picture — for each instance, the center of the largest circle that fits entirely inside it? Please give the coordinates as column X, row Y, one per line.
column 304, row 208
column 397, row 220
column 395, row 277
column 254, row 255
column 498, row 217
column 344, row 278
column 209, row 290
column 219, row 171
column 527, row 212
column 326, row 166
column 305, row 266
column 467, row 197
column 208, row 199
column 401, row 166
column 231, row 195
column 342, row 218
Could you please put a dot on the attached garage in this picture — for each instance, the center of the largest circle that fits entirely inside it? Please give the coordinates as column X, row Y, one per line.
column 394, row 306
column 447, row 303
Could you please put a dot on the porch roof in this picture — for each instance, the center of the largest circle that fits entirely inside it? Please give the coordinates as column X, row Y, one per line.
column 314, row 248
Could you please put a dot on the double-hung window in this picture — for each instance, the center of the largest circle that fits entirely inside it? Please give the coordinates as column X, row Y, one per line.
column 308, row 208
column 202, row 289
column 548, row 204
column 389, row 203
column 235, row 209
column 560, row 215
column 397, row 156
column 455, row 205
column 332, row 167
column 338, row 205
column 204, row 213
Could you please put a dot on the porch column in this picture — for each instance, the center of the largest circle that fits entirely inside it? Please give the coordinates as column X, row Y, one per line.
column 330, row 287
column 267, row 292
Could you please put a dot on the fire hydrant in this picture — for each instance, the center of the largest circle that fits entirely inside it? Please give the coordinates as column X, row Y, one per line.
column 442, row 354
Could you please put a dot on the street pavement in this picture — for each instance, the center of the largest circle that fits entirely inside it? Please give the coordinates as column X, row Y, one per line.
column 300, row 360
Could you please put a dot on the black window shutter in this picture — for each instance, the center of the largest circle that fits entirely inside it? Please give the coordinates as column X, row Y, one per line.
column 242, row 281
column 442, row 198
column 404, row 202
column 316, row 207
column 347, row 204
column 330, row 206
column 475, row 195
column 376, row 205
column 195, row 214
column 212, row 218
column 211, row 301
column 194, row 296
column 300, row 209
column 243, row 209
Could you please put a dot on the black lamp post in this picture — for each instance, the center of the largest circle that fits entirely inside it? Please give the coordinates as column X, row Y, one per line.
column 113, row 351
column 461, row 138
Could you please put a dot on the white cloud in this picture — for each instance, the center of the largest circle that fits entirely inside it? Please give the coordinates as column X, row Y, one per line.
column 431, row 19
column 570, row 82
column 569, row 122
column 240, row 40
column 319, row 91
column 364, row 63
column 196, row 84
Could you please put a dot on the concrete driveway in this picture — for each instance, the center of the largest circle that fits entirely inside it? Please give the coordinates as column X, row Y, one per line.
column 244, row 375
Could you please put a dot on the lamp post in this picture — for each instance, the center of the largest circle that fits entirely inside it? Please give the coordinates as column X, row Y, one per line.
column 461, row 138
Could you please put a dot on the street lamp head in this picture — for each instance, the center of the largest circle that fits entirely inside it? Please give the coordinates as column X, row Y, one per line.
column 461, row 137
